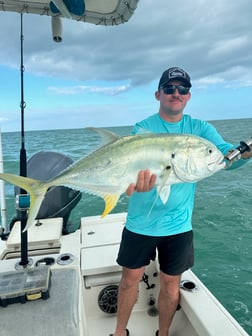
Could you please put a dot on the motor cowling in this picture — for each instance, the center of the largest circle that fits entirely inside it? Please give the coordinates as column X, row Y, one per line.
column 59, row 201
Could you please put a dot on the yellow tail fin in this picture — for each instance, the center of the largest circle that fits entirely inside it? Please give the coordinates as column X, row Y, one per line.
column 35, row 188
column 110, row 203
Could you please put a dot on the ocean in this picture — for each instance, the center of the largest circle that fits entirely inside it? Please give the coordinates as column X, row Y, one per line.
column 222, row 217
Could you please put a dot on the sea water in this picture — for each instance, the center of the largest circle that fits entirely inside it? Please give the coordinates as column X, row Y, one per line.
column 222, row 217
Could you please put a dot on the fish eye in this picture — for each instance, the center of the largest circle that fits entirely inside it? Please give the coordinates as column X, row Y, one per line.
column 210, row 151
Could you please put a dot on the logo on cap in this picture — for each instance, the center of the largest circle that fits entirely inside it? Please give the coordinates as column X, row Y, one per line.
column 174, row 73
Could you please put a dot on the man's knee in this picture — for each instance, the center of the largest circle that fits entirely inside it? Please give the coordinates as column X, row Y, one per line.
column 131, row 277
column 170, row 283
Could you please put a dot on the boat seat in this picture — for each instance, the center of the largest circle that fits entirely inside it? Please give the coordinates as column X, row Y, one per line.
column 58, row 315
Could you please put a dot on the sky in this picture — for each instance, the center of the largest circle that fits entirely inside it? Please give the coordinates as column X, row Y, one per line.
column 104, row 76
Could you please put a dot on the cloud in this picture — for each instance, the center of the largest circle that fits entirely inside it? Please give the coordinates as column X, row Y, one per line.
column 227, row 47
column 205, row 81
column 207, row 40
column 74, row 90
column 237, row 76
column 108, row 75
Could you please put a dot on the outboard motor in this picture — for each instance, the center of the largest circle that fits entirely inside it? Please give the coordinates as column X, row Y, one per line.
column 59, row 201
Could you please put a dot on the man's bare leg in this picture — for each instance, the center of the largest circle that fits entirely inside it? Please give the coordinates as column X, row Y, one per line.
column 127, row 296
column 168, row 301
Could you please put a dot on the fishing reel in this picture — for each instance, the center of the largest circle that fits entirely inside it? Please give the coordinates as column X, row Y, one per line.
column 236, row 153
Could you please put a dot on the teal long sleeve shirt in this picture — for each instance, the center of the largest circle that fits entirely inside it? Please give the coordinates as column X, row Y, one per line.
column 175, row 216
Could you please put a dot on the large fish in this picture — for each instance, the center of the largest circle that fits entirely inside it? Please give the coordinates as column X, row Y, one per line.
column 108, row 171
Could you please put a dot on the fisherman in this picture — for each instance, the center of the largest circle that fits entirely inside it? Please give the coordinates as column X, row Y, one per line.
column 168, row 228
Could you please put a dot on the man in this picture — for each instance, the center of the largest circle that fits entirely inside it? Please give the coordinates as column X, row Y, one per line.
column 168, row 228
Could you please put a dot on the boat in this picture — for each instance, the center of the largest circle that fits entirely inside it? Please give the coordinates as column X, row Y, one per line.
column 57, row 282
column 83, row 286
column 69, row 284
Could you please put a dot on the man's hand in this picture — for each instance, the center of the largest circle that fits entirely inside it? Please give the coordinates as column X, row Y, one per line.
column 145, row 182
column 235, row 154
column 247, row 155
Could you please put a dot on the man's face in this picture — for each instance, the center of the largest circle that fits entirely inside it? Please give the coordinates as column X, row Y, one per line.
column 172, row 104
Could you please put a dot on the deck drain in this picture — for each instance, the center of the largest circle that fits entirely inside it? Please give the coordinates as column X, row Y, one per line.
column 188, row 285
column 65, row 259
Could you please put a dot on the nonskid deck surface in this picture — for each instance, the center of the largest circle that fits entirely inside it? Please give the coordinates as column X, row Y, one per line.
column 141, row 324
column 56, row 315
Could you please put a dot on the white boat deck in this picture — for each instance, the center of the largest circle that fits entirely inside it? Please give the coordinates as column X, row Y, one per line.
column 85, row 265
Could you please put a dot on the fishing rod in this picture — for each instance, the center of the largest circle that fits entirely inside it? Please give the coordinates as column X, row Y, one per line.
column 236, row 154
column 21, row 200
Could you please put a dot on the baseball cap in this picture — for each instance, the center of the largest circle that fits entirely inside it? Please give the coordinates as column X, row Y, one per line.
column 174, row 73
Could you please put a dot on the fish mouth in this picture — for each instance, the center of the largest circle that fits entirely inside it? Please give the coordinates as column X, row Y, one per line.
column 213, row 166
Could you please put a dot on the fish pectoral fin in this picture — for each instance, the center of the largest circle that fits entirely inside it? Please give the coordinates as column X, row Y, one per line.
column 164, row 192
column 152, row 206
column 164, row 189
column 110, row 202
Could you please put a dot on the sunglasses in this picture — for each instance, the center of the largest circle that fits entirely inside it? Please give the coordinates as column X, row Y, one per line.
column 170, row 89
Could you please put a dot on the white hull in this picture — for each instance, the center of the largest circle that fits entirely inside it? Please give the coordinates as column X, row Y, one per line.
column 73, row 309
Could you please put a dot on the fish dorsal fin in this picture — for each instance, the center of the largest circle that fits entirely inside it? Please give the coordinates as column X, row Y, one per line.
column 110, row 202
column 106, row 136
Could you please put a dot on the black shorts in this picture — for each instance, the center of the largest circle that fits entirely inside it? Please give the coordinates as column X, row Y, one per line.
column 175, row 253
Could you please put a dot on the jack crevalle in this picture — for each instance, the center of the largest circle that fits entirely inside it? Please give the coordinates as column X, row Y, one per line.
column 108, row 171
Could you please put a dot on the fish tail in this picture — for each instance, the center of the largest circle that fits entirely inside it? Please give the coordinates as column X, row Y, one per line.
column 110, row 202
column 35, row 188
